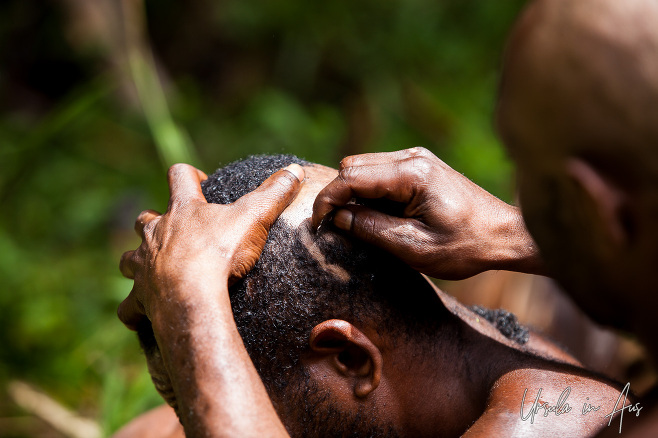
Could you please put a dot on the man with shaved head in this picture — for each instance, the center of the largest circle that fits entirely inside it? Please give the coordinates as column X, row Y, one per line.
column 578, row 112
column 349, row 341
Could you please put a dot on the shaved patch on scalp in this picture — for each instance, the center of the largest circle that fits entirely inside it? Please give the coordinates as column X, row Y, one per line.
column 303, row 279
column 314, row 250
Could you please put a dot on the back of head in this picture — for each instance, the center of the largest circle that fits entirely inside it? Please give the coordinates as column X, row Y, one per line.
column 581, row 78
column 304, row 278
column 578, row 111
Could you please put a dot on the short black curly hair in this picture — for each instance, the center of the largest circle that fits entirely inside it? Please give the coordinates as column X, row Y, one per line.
column 506, row 322
column 289, row 292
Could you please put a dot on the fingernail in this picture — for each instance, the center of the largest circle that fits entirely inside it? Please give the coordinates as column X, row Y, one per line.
column 296, row 170
column 343, row 219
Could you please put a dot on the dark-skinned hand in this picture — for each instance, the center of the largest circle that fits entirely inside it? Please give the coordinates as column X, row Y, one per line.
column 182, row 269
column 196, row 242
column 449, row 227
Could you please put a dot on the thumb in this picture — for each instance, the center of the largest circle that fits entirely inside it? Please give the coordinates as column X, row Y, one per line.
column 393, row 234
column 269, row 200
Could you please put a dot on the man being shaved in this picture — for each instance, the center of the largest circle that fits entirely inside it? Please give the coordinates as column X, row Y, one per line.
column 348, row 340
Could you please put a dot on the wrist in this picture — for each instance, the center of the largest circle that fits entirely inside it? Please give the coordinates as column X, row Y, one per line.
column 216, row 385
column 187, row 296
column 188, row 279
column 511, row 247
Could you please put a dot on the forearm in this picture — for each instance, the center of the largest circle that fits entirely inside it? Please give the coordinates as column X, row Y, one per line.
column 218, row 390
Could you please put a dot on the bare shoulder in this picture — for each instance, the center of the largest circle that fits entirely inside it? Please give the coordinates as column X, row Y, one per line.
column 546, row 399
column 545, row 347
column 160, row 422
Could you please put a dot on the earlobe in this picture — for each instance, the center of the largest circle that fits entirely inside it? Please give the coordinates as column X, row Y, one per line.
column 350, row 352
column 611, row 201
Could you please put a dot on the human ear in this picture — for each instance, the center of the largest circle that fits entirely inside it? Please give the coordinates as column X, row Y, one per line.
column 350, row 352
column 611, row 201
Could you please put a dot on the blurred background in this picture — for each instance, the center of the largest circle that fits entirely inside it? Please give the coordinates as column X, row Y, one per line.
column 98, row 98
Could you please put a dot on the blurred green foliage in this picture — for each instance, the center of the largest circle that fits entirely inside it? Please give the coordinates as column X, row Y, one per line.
column 82, row 151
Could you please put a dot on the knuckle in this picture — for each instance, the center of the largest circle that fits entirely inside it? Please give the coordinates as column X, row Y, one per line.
column 125, row 257
column 175, row 169
column 425, row 249
column 408, row 229
column 347, row 161
column 172, row 171
column 259, row 220
column 420, row 167
column 417, row 151
column 141, row 218
column 174, row 204
column 324, row 200
column 286, row 181
column 125, row 264
column 346, row 175
column 368, row 225
column 121, row 313
column 149, row 227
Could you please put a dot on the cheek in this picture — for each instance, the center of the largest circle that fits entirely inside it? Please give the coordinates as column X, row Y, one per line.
column 547, row 201
column 160, row 377
column 561, row 224
column 560, row 220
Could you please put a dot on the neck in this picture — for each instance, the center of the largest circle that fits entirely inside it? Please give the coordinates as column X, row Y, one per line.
column 452, row 383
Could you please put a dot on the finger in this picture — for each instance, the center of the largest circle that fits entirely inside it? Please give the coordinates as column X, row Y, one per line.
column 269, row 200
column 131, row 312
column 144, row 218
column 382, row 157
column 388, row 180
column 127, row 265
column 398, row 236
column 185, row 183
column 202, row 175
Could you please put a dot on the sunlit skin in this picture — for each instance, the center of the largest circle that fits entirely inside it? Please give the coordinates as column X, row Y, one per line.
column 476, row 389
column 181, row 272
column 577, row 111
column 450, row 228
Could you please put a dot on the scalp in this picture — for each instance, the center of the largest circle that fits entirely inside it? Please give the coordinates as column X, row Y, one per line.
column 581, row 77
